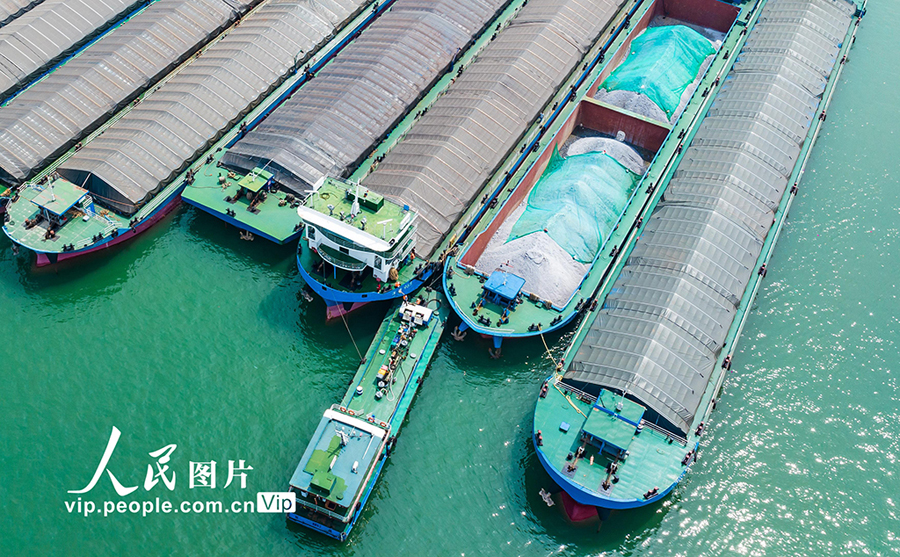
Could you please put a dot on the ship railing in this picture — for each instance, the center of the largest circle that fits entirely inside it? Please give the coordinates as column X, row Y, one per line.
column 338, row 240
column 579, row 394
column 653, row 427
column 320, row 510
column 343, row 242
column 341, row 263
column 591, row 399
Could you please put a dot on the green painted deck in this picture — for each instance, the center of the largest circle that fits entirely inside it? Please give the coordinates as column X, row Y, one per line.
column 79, row 237
column 255, row 180
column 59, row 196
column 414, row 356
column 325, row 460
column 383, row 218
column 323, row 479
column 212, row 185
column 652, row 461
column 610, row 428
column 75, row 230
column 279, row 221
column 653, row 458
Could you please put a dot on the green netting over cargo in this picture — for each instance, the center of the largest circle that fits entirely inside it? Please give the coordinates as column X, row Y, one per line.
column 662, row 63
column 577, row 202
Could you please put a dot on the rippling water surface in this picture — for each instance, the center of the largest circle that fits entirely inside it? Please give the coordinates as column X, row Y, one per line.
column 190, row 336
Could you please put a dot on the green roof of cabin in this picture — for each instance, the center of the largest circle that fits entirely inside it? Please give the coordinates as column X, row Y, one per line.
column 59, row 196
column 604, row 422
column 383, row 216
column 255, row 180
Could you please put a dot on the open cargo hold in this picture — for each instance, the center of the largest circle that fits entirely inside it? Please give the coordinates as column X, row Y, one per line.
column 556, row 254
column 141, row 153
column 51, row 116
column 328, row 127
column 618, row 424
column 655, row 79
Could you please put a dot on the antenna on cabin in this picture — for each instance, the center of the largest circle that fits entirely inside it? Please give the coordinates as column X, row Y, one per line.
column 354, row 210
column 383, row 224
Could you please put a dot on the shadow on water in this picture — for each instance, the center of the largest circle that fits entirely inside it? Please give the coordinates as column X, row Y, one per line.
column 81, row 274
column 218, row 236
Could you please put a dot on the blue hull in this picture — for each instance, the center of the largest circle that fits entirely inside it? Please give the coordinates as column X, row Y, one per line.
column 122, row 234
column 243, row 226
column 331, row 532
column 332, row 296
column 592, row 498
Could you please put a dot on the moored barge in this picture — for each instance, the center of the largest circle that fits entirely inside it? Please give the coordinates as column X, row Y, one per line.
column 619, row 424
column 534, row 261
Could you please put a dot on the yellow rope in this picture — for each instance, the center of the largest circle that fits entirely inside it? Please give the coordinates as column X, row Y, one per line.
column 558, row 376
column 555, row 386
column 549, row 354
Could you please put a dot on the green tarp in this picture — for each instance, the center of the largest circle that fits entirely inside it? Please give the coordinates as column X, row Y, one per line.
column 577, row 202
column 662, row 63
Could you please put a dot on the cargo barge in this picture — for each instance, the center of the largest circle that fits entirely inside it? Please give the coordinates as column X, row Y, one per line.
column 401, row 60
column 534, row 261
column 42, row 39
column 52, row 116
column 618, row 425
column 349, row 448
column 443, row 161
column 324, row 503
column 130, row 173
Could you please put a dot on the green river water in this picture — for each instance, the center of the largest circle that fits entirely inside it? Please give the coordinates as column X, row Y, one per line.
column 189, row 336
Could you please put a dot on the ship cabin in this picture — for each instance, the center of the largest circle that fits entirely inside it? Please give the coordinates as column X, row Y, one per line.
column 354, row 229
column 612, row 424
column 58, row 203
column 334, row 474
column 253, row 188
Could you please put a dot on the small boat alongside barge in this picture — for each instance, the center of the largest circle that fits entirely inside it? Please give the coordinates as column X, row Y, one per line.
column 349, row 448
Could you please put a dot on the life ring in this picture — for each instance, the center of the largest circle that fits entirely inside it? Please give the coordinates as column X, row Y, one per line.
column 382, row 424
column 343, row 409
column 371, row 420
column 351, row 412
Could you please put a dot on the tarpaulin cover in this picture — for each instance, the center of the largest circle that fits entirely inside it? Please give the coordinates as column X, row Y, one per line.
column 450, row 153
column 148, row 147
column 577, row 202
column 11, row 9
column 53, row 114
column 328, row 126
column 662, row 63
column 50, row 30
